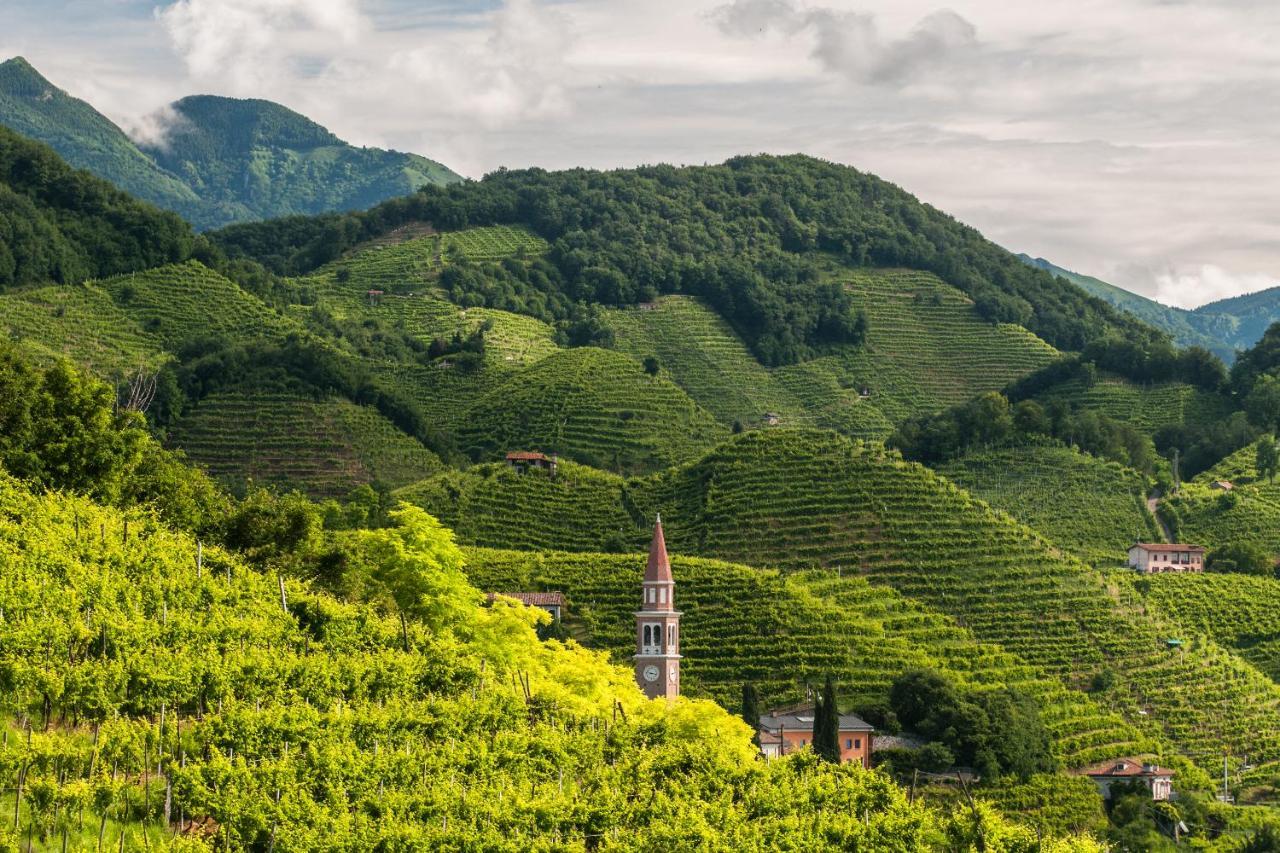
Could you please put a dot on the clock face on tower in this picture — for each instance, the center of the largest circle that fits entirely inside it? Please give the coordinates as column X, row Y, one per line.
column 651, row 673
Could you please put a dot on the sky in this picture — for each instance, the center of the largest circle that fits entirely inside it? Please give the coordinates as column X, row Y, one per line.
column 1134, row 140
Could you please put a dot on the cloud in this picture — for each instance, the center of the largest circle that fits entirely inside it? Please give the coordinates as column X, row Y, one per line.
column 1190, row 288
column 154, row 129
column 849, row 43
column 515, row 71
column 246, row 42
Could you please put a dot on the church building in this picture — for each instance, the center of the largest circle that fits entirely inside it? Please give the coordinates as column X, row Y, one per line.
column 658, row 625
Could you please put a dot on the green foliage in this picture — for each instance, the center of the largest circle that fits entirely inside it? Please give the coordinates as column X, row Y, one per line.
column 745, row 236
column 221, row 160
column 826, row 724
column 1245, row 558
column 1094, row 509
column 57, row 224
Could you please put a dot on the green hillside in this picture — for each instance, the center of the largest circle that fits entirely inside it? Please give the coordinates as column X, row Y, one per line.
column 222, row 160
column 1237, row 611
column 325, row 447
column 82, row 323
column 202, row 694
column 1222, row 327
column 1250, row 513
column 1092, row 508
column 781, row 631
column 1146, row 407
column 800, row 500
column 593, row 406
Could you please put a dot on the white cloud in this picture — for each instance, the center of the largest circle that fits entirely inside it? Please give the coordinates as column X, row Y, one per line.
column 1191, row 288
column 153, row 129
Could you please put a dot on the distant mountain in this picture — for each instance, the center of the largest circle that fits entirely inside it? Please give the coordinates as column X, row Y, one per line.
column 222, row 161
column 1221, row 327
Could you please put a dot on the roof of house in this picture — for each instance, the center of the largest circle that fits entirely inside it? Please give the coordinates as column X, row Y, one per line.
column 533, row 599
column 1160, row 546
column 527, row 456
column 801, row 721
column 1223, row 484
column 659, row 566
column 1126, row 768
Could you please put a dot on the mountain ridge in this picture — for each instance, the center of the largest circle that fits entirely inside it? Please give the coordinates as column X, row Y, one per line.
column 222, row 160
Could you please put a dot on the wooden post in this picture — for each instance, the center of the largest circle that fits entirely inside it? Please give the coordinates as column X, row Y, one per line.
column 199, row 559
column 284, row 601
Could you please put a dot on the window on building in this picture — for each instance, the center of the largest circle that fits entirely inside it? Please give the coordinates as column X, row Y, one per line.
column 662, row 595
column 848, row 743
column 671, row 636
column 857, row 743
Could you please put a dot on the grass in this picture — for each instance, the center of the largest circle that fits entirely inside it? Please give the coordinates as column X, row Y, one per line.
column 325, row 447
column 1092, row 508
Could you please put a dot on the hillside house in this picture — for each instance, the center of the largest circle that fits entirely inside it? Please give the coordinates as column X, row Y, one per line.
column 783, row 731
column 374, row 296
column 1151, row 558
column 1158, row 780
column 552, row 602
column 1222, row 485
column 523, row 460
column 771, row 418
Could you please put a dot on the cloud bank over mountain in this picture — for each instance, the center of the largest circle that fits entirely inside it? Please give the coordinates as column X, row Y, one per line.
column 1132, row 139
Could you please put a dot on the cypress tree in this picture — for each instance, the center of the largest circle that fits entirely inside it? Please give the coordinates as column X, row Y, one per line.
column 751, row 710
column 826, row 725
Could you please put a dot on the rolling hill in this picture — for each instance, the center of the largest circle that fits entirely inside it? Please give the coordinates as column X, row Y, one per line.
column 221, row 161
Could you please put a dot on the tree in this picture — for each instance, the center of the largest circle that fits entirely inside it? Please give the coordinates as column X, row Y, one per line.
column 1246, row 558
column 751, row 710
column 1265, row 840
column 1263, row 403
column 1267, row 458
column 826, row 725
column 651, row 365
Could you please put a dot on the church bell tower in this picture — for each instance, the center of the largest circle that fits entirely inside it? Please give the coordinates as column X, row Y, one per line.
column 658, row 625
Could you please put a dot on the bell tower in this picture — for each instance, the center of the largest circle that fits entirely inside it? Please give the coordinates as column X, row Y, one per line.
column 658, row 625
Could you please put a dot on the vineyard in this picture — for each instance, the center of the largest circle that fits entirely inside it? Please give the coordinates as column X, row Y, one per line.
column 781, row 632
column 324, row 447
column 186, row 302
column 80, row 323
column 1249, row 513
column 1146, row 407
column 1092, row 508
column 1237, row 611
column 926, row 349
column 594, row 406
column 161, row 697
column 800, row 500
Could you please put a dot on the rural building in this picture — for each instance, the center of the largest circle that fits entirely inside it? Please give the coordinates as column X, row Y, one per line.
column 374, row 296
column 785, row 730
column 1152, row 558
column 657, row 655
column 1158, row 780
column 523, row 460
column 552, row 602
column 647, row 306
column 771, row 418
column 1222, row 485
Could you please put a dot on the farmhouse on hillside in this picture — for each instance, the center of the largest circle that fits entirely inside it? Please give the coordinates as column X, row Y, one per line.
column 1150, row 558
column 784, row 730
column 1158, row 780
column 523, row 460
column 552, row 602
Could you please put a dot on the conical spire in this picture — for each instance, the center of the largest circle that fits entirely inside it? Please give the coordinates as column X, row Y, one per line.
column 659, row 568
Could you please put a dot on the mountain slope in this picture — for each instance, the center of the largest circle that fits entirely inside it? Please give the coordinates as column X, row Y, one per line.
column 222, row 160
column 1221, row 327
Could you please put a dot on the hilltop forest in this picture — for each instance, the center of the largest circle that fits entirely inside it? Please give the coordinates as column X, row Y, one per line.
column 254, row 490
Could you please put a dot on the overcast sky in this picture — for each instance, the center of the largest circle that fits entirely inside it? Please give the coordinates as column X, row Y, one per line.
column 1135, row 140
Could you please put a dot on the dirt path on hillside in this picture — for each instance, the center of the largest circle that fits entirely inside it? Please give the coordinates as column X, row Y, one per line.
column 1153, row 503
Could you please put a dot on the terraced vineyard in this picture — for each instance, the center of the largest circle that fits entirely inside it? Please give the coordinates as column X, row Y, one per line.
column 532, row 511
column 1092, row 508
column 326, row 447
column 782, row 631
column 1146, row 407
column 1249, row 514
column 801, row 500
column 704, row 356
column 926, row 349
column 594, row 406
column 1238, row 611
column 184, row 302
column 79, row 322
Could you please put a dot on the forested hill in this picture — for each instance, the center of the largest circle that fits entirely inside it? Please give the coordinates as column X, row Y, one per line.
column 1222, row 327
column 63, row 225
column 222, row 160
column 751, row 236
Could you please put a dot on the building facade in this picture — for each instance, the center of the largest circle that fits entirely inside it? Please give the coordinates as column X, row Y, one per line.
column 1158, row 780
column 784, row 732
column 1150, row 558
column 657, row 655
